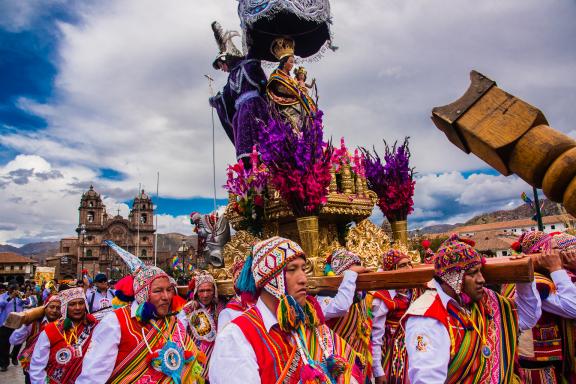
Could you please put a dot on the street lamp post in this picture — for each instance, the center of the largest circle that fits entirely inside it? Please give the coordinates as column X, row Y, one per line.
column 183, row 251
column 83, row 234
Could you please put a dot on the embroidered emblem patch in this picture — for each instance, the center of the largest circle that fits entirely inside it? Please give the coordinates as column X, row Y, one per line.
column 63, row 356
column 422, row 343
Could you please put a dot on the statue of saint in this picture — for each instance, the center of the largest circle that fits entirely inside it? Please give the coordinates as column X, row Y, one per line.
column 241, row 103
column 283, row 90
column 301, row 75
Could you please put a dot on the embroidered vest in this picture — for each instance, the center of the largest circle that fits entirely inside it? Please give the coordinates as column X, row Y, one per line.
column 274, row 351
column 544, row 341
column 468, row 364
column 26, row 355
column 133, row 359
column 394, row 357
column 65, row 361
column 356, row 328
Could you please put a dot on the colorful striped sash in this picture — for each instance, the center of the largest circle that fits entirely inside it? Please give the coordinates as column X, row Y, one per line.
column 356, row 328
column 135, row 364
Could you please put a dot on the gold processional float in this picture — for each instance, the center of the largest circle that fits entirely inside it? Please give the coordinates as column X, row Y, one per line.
column 507, row 133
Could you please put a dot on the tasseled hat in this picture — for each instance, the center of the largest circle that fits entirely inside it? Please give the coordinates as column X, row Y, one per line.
column 144, row 275
column 340, row 260
column 124, row 292
column 68, row 295
column 454, row 257
column 565, row 241
column 266, row 266
column 264, row 269
column 391, row 258
column 429, row 256
column 538, row 241
column 52, row 298
column 205, row 277
column 532, row 242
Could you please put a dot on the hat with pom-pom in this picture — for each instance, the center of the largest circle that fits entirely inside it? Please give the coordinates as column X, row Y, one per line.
column 454, row 257
column 391, row 259
column 144, row 275
column 270, row 257
column 203, row 278
column 340, row 260
column 532, row 241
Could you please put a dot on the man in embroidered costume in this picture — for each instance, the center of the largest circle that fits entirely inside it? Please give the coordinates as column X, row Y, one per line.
column 281, row 338
column 29, row 333
column 201, row 315
column 143, row 342
column 239, row 303
column 62, row 345
column 388, row 307
column 547, row 350
column 347, row 312
column 462, row 332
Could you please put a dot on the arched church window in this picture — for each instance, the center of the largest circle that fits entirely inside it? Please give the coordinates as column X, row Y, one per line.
column 143, row 218
column 90, row 217
column 88, row 253
column 143, row 253
column 91, row 204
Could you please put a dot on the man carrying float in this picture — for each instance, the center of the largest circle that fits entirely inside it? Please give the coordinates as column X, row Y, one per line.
column 144, row 340
column 62, row 345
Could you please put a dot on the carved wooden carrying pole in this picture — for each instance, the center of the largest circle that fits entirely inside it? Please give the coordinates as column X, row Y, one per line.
column 495, row 271
column 17, row 319
column 513, row 137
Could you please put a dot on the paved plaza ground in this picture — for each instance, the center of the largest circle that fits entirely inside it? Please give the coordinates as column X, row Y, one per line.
column 13, row 375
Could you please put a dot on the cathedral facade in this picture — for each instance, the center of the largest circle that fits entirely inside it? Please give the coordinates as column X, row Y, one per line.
column 87, row 249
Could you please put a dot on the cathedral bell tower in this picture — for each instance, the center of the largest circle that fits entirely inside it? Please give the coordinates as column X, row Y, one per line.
column 142, row 223
column 92, row 210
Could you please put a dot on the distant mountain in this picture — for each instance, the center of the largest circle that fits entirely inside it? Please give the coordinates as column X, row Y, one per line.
column 42, row 248
column 170, row 242
column 438, row 228
column 549, row 208
column 9, row 248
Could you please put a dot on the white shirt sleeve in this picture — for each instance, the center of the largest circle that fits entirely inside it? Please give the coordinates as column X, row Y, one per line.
column 39, row 360
column 225, row 317
column 528, row 304
column 101, row 355
column 338, row 306
column 379, row 311
column 563, row 301
column 428, row 349
column 21, row 334
column 233, row 360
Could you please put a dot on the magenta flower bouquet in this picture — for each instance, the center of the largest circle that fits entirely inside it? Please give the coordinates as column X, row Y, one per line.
column 299, row 163
column 248, row 185
column 392, row 181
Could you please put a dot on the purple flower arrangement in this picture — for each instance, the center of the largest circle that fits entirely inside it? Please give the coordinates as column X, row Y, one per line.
column 392, row 180
column 248, row 185
column 298, row 162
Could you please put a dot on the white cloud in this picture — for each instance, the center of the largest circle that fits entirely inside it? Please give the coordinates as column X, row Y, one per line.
column 131, row 96
column 174, row 224
column 452, row 198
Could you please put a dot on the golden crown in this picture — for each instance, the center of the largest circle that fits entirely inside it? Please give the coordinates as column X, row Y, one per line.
column 300, row 70
column 282, row 47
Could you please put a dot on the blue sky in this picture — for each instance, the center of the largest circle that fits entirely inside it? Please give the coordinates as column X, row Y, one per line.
column 112, row 92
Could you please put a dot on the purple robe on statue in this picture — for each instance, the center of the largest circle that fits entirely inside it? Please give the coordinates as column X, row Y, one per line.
column 241, row 104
